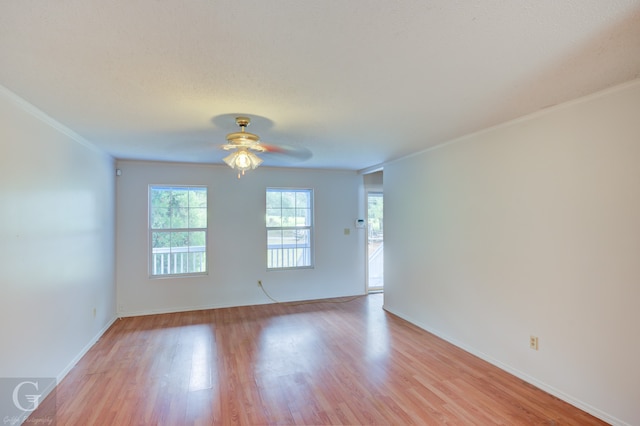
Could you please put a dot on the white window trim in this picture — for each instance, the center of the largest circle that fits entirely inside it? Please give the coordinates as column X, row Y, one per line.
column 310, row 227
column 150, row 232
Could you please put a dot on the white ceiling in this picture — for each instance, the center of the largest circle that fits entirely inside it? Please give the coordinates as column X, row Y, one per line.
column 355, row 83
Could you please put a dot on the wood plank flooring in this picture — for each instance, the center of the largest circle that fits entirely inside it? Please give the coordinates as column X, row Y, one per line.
column 341, row 361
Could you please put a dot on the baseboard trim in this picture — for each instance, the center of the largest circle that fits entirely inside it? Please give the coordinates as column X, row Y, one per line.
column 74, row 361
column 84, row 350
column 521, row 375
column 173, row 310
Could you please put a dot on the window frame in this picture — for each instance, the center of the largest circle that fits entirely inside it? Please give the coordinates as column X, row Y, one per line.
column 310, row 228
column 151, row 231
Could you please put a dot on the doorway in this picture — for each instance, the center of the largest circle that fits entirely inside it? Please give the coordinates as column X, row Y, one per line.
column 375, row 241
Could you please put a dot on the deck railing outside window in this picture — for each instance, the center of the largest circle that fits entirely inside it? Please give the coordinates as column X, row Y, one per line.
column 179, row 260
column 287, row 256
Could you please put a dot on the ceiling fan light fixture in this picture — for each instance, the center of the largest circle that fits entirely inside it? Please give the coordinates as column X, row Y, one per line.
column 242, row 143
column 242, row 160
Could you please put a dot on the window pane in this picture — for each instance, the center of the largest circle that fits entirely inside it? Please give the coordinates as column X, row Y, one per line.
column 179, row 197
column 160, row 197
column 274, row 199
column 286, row 247
column 175, row 210
column 302, row 237
column 302, row 199
column 302, row 217
column 288, row 217
column 198, row 217
column 179, row 241
column 274, row 217
column 288, row 199
column 161, row 240
column 274, row 239
column 197, row 254
column 197, row 262
column 179, row 217
column 289, row 238
column 197, row 198
column 161, row 249
column 160, row 218
column 197, row 240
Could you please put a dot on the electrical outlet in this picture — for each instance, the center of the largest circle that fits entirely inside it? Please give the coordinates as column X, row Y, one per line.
column 533, row 342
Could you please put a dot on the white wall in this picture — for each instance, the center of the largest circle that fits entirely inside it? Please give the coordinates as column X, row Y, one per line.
column 57, row 219
column 237, row 239
column 373, row 181
column 530, row 228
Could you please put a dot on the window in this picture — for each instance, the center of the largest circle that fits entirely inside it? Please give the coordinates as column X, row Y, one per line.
column 289, row 228
column 177, row 230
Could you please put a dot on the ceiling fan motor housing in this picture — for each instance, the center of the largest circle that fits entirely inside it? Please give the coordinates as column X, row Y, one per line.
column 243, row 121
column 243, row 138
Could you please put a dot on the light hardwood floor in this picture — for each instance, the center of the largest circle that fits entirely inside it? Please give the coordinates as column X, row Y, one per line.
column 343, row 361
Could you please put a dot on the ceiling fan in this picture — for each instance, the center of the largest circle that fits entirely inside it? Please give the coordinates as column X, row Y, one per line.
column 243, row 144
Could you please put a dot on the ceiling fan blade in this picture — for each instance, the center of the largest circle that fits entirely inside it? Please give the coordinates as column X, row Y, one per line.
column 294, row 152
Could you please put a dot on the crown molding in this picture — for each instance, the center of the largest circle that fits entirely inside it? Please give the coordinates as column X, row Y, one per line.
column 48, row 120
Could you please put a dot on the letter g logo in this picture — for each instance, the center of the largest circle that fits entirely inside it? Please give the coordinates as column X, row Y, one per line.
column 33, row 399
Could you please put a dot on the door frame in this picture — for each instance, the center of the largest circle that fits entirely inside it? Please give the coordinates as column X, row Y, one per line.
column 369, row 192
